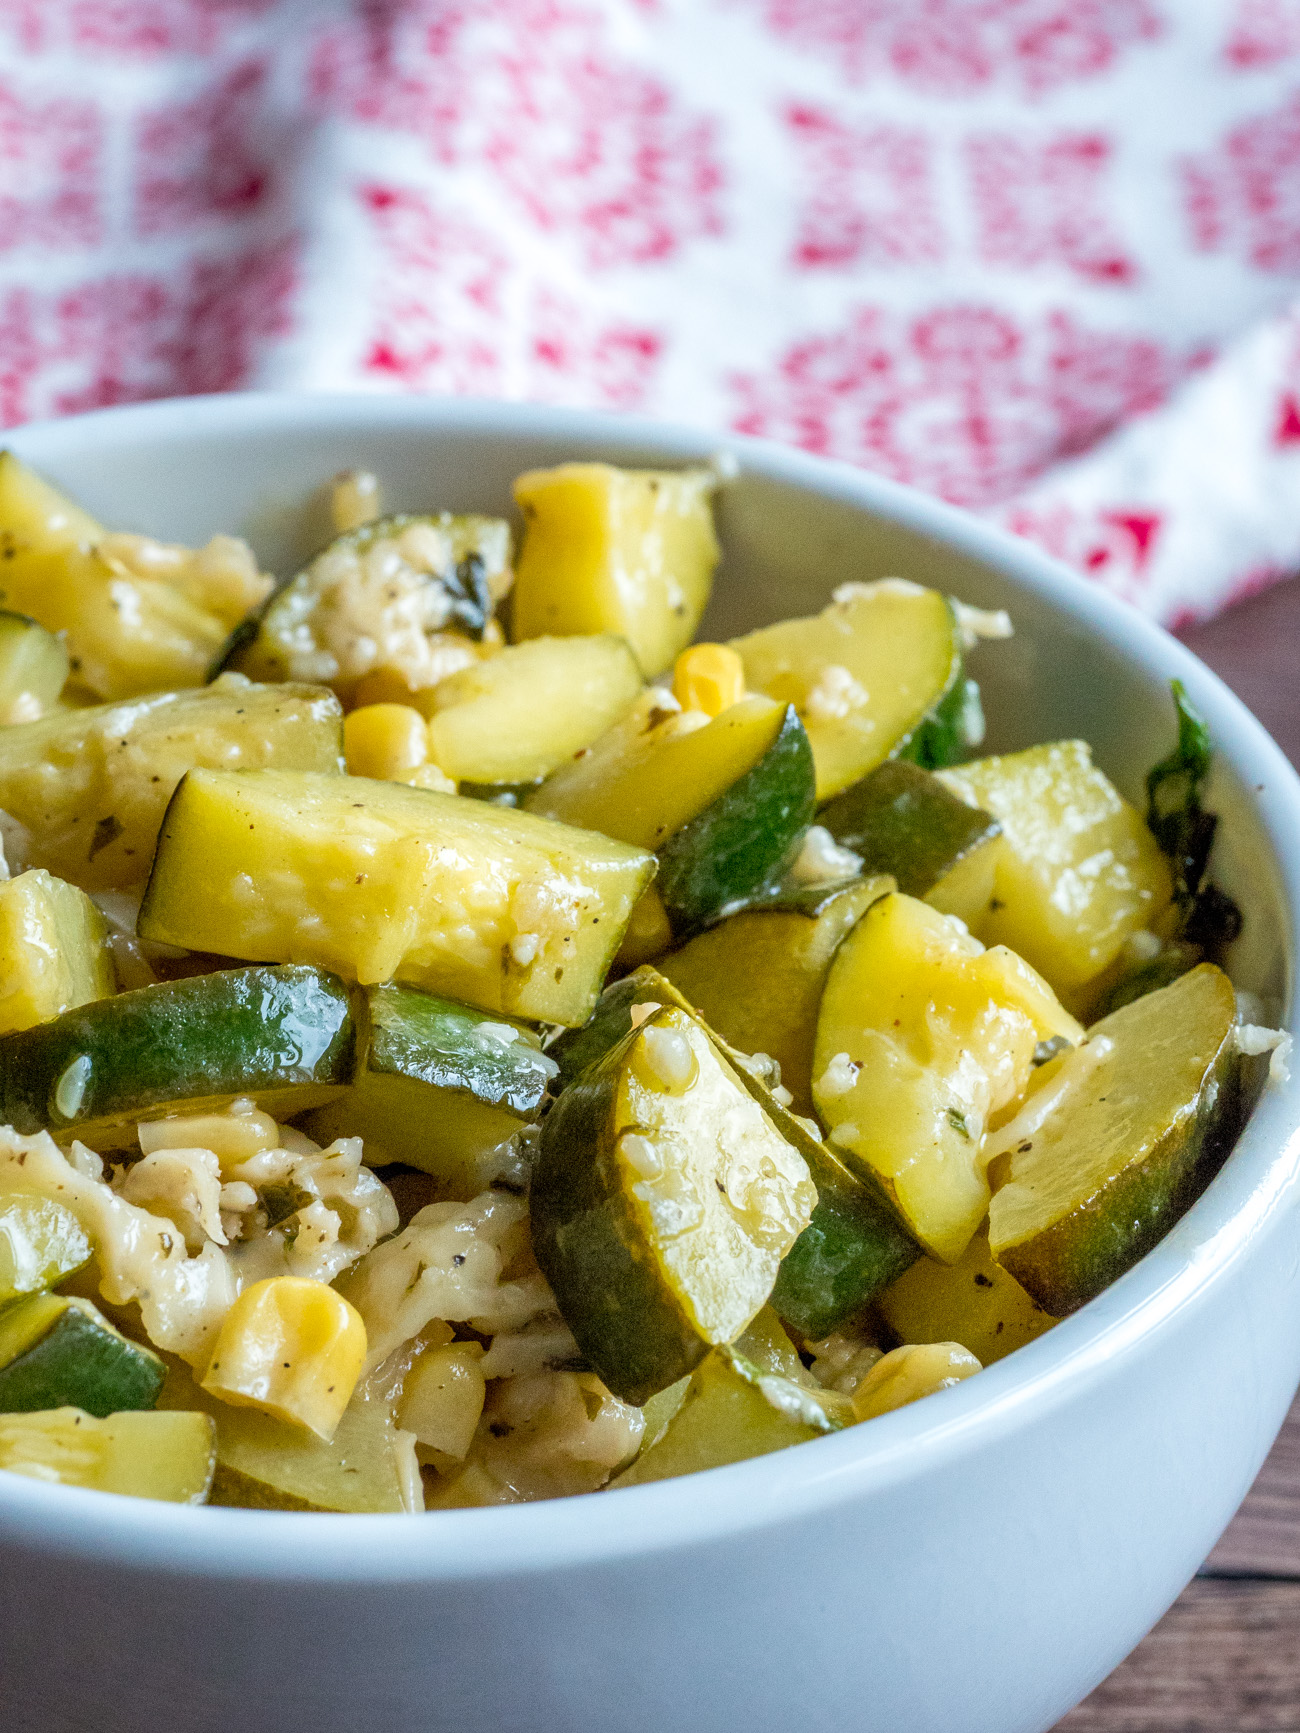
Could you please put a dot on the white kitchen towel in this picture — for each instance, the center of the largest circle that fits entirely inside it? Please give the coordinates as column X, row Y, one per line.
column 1033, row 255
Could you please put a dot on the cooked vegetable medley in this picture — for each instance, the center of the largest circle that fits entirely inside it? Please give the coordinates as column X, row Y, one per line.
column 461, row 1042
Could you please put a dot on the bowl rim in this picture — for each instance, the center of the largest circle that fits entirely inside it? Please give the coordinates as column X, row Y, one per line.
column 1178, row 1276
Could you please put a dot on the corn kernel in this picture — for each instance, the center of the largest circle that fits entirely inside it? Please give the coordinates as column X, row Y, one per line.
column 293, row 1348
column 354, row 499
column 385, row 741
column 909, row 1373
column 235, row 1137
column 442, row 1398
column 708, row 677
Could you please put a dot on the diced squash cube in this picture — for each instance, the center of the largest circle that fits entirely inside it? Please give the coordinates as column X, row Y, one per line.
column 616, row 550
column 1077, row 870
column 54, row 952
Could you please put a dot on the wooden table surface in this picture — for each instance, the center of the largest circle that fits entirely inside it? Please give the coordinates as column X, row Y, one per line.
column 1226, row 1658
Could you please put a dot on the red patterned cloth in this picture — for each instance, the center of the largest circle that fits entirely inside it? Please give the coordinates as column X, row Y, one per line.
column 1037, row 256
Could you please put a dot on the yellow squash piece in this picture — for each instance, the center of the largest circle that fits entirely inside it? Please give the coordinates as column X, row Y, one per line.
column 757, row 977
column 520, row 715
column 293, row 1348
column 973, row 1302
column 267, row 1464
column 378, row 882
column 616, row 550
column 1105, row 1158
column 54, row 952
column 142, row 1454
column 126, row 633
column 863, row 674
column 922, row 1036
column 92, row 785
column 1076, row 871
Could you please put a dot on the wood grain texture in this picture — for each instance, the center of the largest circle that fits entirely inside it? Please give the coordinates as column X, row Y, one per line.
column 1226, row 1657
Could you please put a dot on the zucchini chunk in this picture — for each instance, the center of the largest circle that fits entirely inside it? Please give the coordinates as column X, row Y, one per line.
column 1135, row 1128
column 902, row 820
column 92, row 785
column 742, row 1401
column 54, row 951
column 60, row 1352
column 616, row 550
column 854, row 1243
column 520, row 715
column 865, row 675
column 378, row 881
column 1077, row 870
column 33, row 668
column 725, row 804
column 284, row 1036
column 267, row 1464
column 922, row 1036
column 757, row 977
column 143, row 1455
column 406, row 595
column 41, row 1242
column 662, row 1204
column 127, row 631
column 973, row 1302
column 440, row 1087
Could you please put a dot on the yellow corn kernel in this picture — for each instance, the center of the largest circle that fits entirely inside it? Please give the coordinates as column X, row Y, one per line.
column 293, row 1348
column 354, row 499
column 442, row 1398
column 648, row 933
column 385, row 741
column 908, row 1373
column 708, row 677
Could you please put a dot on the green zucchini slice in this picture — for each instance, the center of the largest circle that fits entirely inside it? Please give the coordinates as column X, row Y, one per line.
column 662, row 1204
column 518, row 716
column 441, row 1085
column 266, row 1464
column 284, row 1036
column 60, row 1352
column 725, row 805
column 143, row 1455
column 616, row 550
column 378, row 881
column 902, row 820
column 1141, row 1114
column 379, row 597
column 92, row 785
column 742, row 1401
column 757, row 977
column 33, row 669
column 854, row 1243
column 54, row 951
column 866, row 675
column 41, row 1242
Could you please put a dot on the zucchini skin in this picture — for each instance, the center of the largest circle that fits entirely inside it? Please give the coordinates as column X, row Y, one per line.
column 939, row 739
column 744, row 839
column 431, row 1039
column 853, row 1247
column 80, row 1363
column 236, row 1032
column 586, row 1243
column 902, row 821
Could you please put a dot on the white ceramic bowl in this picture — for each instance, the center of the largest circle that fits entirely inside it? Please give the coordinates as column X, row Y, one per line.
column 972, row 1564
